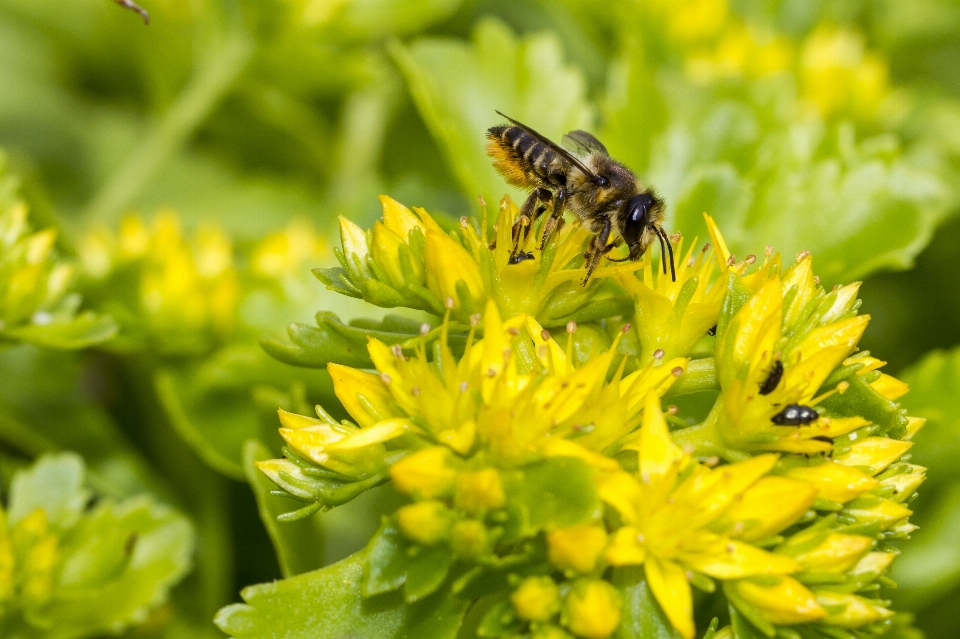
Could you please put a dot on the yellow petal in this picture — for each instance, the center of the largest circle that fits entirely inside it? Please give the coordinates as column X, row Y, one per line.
column 874, row 562
column 769, row 506
column 905, row 484
column 890, row 387
column 670, row 587
column 720, row 246
column 621, row 491
column 885, row 512
column 833, row 481
column 735, row 560
column 386, row 252
column 856, row 612
column 363, row 395
column 353, row 239
column 380, row 432
column 835, row 553
column 874, row 453
column 398, row 218
column 447, row 263
column 914, row 424
column 658, row 453
column 786, row 602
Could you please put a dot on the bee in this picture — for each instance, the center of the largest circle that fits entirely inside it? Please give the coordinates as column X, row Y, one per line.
column 601, row 191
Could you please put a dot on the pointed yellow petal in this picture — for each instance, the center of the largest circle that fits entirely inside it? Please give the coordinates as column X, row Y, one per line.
column 448, row 263
column 735, row 560
column 658, row 453
column 886, row 513
column 890, row 387
column 398, row 218
column 362, row 394
column 833, row 481
column 626, row 548
column 670, row 587
column 769, row 506
column 621, row 491
column 720, row 246
column 379, row 432
column 874, row 453
column 353, row 239
column 835, row 553
column 786, row 602
column 856, row 611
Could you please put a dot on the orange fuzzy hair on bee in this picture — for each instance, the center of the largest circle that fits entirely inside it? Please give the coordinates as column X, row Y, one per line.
column 506, row 160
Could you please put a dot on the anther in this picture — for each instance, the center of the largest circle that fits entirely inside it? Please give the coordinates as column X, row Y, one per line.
column 463, row 221
column 816, row 280
column 843, row 386
column 689, row 449
column 386, row 379
column 672, row 409
column 768, row 251
column 571, row 327
column 397, row 350
column 712, row 461
column 545, row 335
column 415, row 391
column 475, row 320
column 625, row 328
column 802, row 255
column 424, row 329
column 676, row 237
column 750, row 259
column 731, row 260
column 706, row 247
column 513, row 330
column 658, row 354
column 463, row 387
column 677, row 371
column 482, row 201
column 448, row 303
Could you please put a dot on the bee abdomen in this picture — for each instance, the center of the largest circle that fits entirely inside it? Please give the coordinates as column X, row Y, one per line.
column 518, row 152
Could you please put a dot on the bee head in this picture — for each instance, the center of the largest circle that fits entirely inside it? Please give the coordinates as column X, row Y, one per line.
column 640, row 209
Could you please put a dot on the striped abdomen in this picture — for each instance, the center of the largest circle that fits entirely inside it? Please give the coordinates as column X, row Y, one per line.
column 523, row 160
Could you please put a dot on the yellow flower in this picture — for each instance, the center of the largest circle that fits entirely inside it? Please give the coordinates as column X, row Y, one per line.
column 577, row 548
column 770, row 356
column 839, row 75
column 426, row 522
column 283, row 254
column 672, row 316
column 675, row 518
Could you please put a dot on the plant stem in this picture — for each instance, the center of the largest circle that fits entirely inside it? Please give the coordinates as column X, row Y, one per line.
column 208, row 85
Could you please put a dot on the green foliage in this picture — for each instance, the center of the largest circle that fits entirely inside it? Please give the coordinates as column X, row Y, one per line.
column 76, row 571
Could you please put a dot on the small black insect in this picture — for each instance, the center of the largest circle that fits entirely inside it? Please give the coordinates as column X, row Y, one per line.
column 520, row 256
column 770, row 383
column 795, row 415
column 712, row 330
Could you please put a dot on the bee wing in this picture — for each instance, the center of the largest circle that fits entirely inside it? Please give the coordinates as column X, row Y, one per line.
column 583, row 143
column 559, row 150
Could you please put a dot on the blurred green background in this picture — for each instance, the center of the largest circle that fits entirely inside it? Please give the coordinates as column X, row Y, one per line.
column 805, row 124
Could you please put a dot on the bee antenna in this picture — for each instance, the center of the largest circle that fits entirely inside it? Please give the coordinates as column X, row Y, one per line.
column 662, row 235
column 663, row 249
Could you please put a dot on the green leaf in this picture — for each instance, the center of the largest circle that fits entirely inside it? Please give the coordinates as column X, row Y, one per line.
column 331, row 340
column 119, row 562
column 642, row 615
column 426, row 571
column 328, row 604
column 458, row 86
column 298, row 544
column 55, row 485
column 556, row 492
column 387, row 561
column 87, row 329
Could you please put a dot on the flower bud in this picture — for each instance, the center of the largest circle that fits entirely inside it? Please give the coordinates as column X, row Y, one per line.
column 874, row 453
column 469, row 539
column 425, row 474
column 592, row 609
column 447, row 264
column 536, row 599
column 426, row 522
column 479, row 491
column 833, row 481
column 853, row 611
column 576, row 548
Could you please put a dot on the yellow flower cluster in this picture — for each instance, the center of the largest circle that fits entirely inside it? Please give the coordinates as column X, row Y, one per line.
column 407, row 259
column 836, row 74
column 29, row 555
column 33, row 283
column 516, row 455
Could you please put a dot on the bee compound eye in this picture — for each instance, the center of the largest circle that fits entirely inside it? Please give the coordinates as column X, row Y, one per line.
column 602, row 180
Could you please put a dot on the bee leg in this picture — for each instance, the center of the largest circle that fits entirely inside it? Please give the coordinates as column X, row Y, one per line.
column 559, row 202
column 598, row 246
column 528, row 213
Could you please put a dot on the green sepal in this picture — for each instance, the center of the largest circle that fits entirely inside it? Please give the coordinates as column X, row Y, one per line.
column 860, row 399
